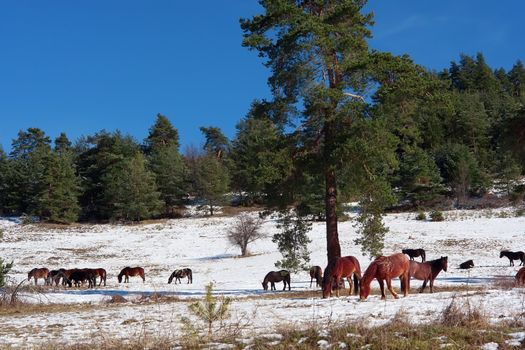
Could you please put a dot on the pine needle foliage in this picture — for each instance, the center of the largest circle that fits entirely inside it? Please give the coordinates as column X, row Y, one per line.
column 4, row 270
column 211, row 308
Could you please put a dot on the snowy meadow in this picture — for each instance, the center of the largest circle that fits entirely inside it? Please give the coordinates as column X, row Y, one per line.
column 156, row 309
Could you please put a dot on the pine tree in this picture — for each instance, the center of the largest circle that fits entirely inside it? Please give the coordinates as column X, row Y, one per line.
column 211, row 181
column 166, row 163
column 59, row 199
column 29, row 159
column 318, row 56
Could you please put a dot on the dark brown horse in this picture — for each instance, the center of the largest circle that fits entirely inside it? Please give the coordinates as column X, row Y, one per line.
column 317, row 273
column 520, row 276
column 427, row 271
column 340, row 268
column 414, row 253
column 37, row 273
column 513, row 256
column 384, row 268
column 55, row 276
column 467, row 264
column 79, row 276
column 276, row 276
column 131, row 271
column 181, row 273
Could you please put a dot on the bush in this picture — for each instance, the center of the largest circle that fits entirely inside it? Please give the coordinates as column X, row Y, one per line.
column 437, row 215
column 210, row 309
column 421, row 216
column 4, row 270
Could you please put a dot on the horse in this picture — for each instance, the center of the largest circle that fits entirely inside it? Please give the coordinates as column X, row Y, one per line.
column 414, row 253
column 55, row 276
column 178, row 274
column 385, row 268
column 276, row 276
column 79, row 276
column 100, row 272
column 317, row 273
column 339, row 268
column 513, row 256
column 131, row 271
column 467, row 264
column 428, row 271
column 520, row 276
column 37, row 273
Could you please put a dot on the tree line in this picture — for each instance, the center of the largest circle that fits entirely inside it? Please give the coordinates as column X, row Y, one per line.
column 345, row 123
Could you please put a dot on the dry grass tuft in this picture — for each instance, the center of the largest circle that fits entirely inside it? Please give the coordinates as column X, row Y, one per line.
column 463, row 314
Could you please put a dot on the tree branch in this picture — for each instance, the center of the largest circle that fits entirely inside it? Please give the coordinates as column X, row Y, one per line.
column 354, row 96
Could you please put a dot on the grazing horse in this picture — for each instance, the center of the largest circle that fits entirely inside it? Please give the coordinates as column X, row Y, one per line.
column 131, row 271
column 513, row 256
column 100, row 272
column 414, row 253
column 178, row 274
column 276, row 276
column 520, row 276
column 36, row 273
column 385, row 268
column 467, row 264
column 427, row 271
column 339, row 268
column 79, row 276
column 317, row 273
column 55, row 276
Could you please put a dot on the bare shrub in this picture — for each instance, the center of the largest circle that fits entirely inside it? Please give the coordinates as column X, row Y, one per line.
column 463, row 314
column 245, row 230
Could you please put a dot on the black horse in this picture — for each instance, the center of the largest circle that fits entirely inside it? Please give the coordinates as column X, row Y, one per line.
column 80, row 275
column 181, row 273
column 467, row 264
column 513, row 256
column 276, row 276
column 414, row 253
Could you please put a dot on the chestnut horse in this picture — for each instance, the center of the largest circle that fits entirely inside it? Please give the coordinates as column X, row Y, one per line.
column 428, row 271
column 520, row 276
column 339, row 268
column 131, row 271
column 513, row 256
column 35, row 273
column 317, row 273
column 276, row 276
column 384, row 268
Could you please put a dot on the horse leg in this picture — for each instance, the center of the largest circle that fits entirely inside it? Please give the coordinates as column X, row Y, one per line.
column 431, row 285
column 273, row 286
column 311, row 280
column 424, row 286
column 382, row 287
column 349, row 279
column 389, row 286
column 337, row 280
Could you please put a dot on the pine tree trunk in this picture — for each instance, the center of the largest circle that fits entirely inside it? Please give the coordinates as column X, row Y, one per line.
column 332, row 236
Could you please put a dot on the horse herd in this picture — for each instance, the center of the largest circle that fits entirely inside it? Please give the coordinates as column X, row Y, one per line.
column 383, row 268
column 77, row 277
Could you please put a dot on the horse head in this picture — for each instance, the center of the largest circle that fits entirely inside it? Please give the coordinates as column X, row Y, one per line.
column 444, row 263
column 119, row 277
column 265, row 285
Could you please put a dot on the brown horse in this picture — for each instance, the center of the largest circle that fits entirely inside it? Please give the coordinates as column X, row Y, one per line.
column 384, row 268
column 276, row 276
column 339, row 268
column 178, row 274
column 100, row 272
column 36, row 273
column 131, row 271
column 317, row 273
column 427, row 271
column 520, row 276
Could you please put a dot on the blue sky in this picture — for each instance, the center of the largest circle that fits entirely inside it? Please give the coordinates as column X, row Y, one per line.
column 80, row 67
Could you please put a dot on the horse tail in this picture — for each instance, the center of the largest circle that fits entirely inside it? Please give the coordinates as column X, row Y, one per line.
column 356, row 284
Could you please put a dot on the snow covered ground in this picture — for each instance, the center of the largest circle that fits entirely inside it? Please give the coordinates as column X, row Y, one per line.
column 201, row 244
